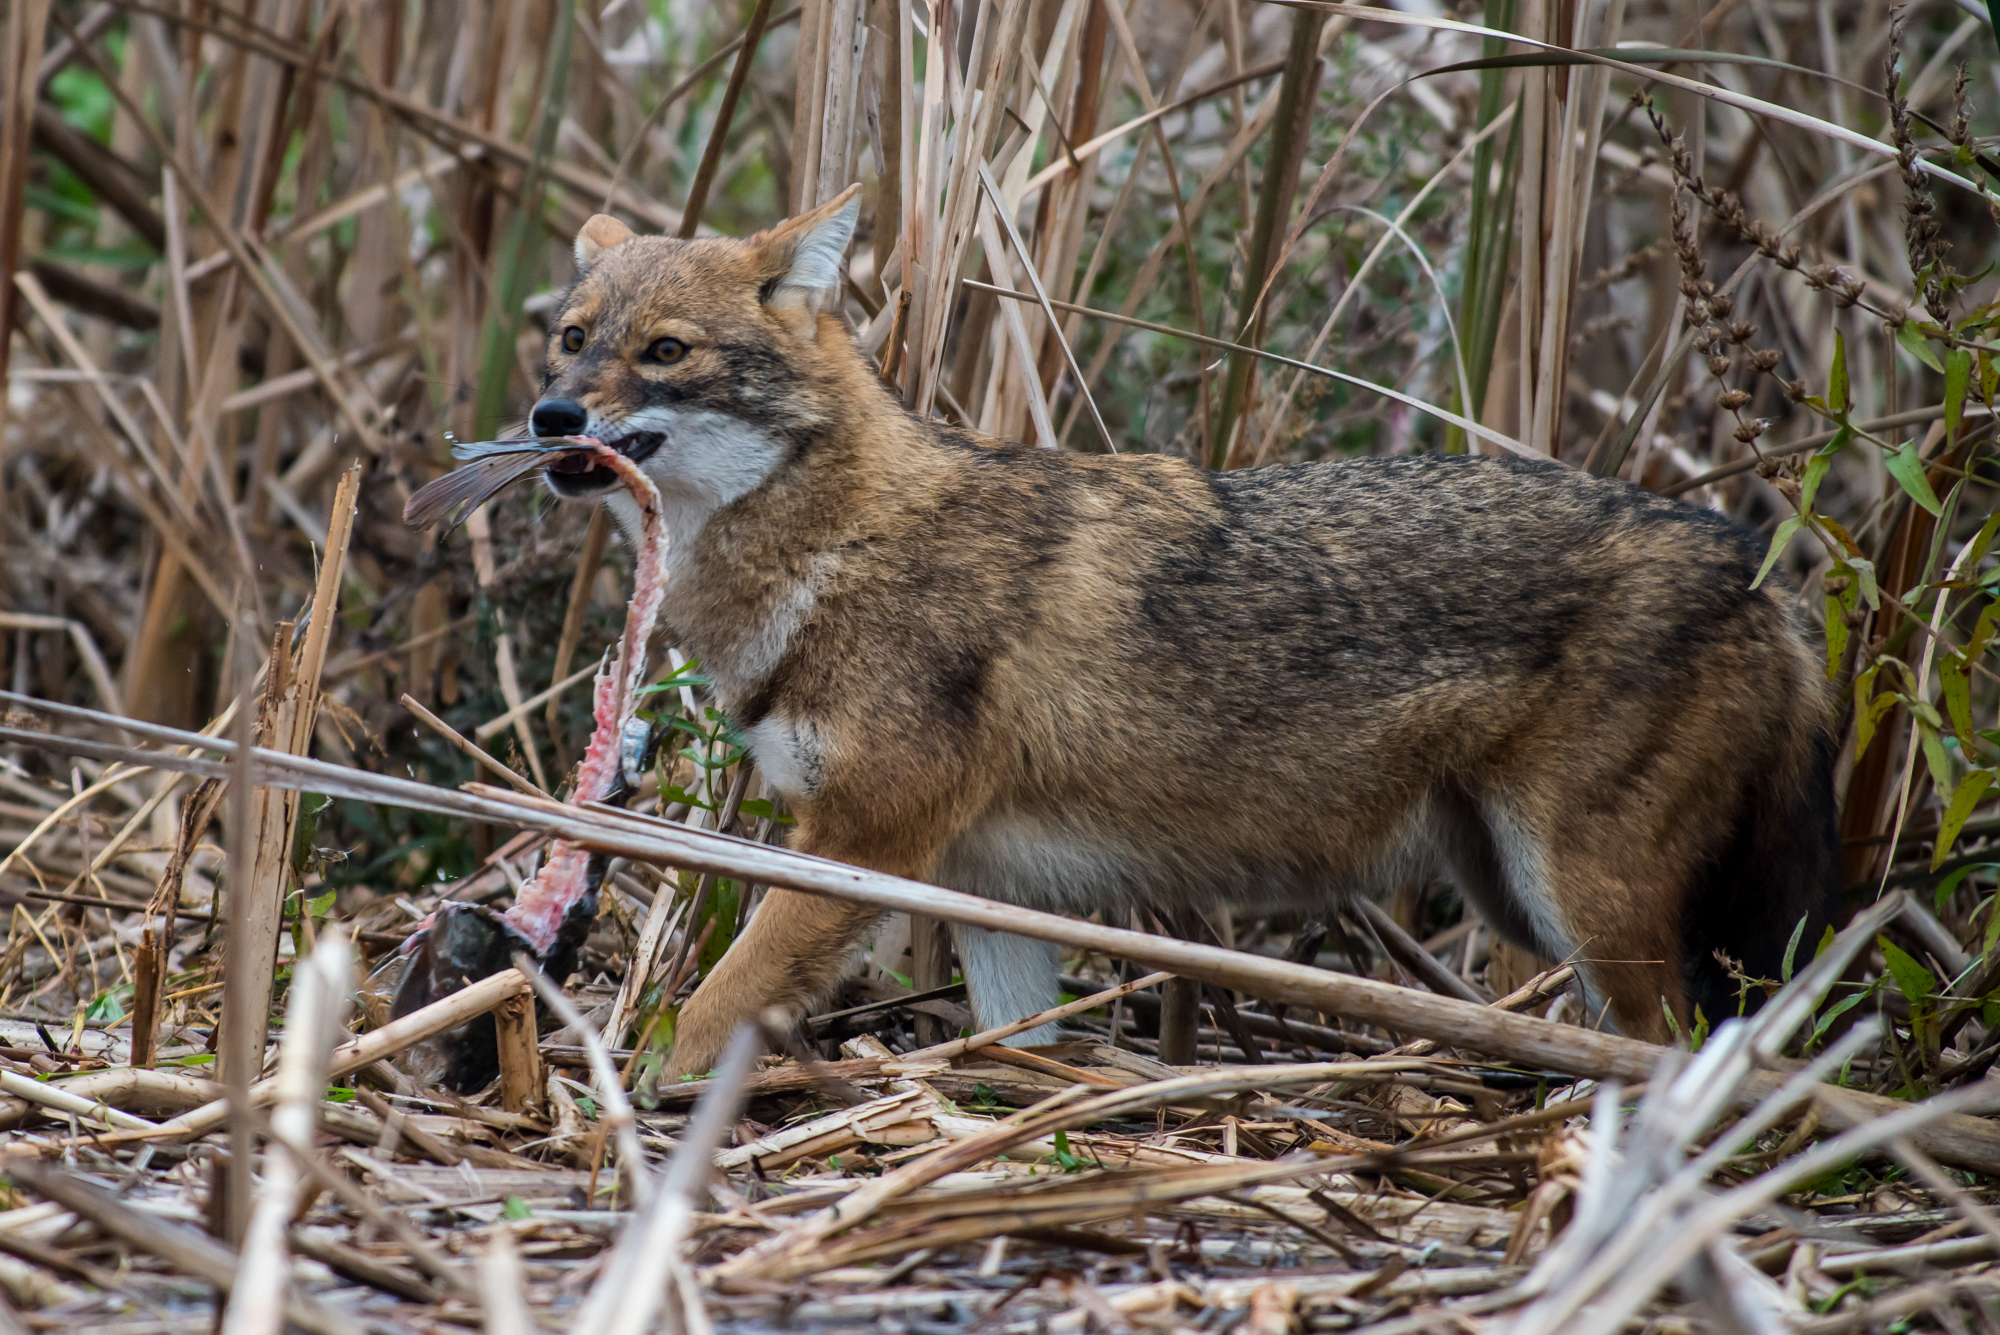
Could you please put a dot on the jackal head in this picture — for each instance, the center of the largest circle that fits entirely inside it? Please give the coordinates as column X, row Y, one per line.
column 705, row 361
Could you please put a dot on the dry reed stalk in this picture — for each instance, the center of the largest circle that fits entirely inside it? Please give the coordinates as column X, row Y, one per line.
column 20, row 66
column 452, row 735
column 1298, row 88
column 617, row 1117
column 503, row 1285
column 184, row 1248
column 645, row 1271
column 286, row 719
column 68, row 1101
column 314, row 1017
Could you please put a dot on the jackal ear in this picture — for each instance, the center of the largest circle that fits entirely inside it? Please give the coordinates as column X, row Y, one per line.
column 808, row 251
column 599, row 233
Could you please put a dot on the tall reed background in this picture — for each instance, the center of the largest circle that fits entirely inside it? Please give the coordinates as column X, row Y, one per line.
column 1740, row 252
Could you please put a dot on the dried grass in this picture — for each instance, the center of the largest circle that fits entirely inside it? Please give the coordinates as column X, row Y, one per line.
column 248, row 246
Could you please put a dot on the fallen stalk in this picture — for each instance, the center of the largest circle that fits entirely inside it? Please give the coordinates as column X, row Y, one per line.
column 1956, row 1139
column 448, row 1012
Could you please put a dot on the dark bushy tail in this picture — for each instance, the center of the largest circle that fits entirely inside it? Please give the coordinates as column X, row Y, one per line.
column 1782, row 864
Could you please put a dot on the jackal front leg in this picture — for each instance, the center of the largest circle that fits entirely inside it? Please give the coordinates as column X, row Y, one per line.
column 791, row 956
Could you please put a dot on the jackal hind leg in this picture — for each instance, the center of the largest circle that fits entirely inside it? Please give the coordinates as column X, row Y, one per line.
column 1575, row 895
column 1008, row 978
column 1623, row 920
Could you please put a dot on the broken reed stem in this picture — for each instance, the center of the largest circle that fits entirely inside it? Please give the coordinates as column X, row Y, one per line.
column 503, row 1285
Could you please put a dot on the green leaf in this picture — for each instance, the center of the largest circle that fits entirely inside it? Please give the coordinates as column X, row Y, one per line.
column 1836, row 394
column 722, row 911
column 1918, row 346
column 1913, row 980
column 1957, row 379
column 1068, row 1161
column 1817, row 466
column 1934, row 757
column 1981, row 541
column 587, row 1106
column 1868, row 708
column 1834, row 1012
column 1907, row 467
column 1952, row 880
column 1871, row 592
column 1778, row 543
column 1791, row 951
column 1957, row 689
column 1983, row 631
column 1963, row 799
column 1839, row 605
column 515, row 1208
column 1836, row 633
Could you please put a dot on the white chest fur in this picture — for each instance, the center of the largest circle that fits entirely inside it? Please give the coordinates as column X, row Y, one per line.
column 791, row 754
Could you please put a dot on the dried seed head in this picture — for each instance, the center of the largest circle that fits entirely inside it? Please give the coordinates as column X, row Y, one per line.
column 1765, row 360
column 1719, row 308
column 1921, row 233
column 1750, row 430
column 1741, row 332
column 1719, row 365
column 1795, row 390
column 1732, row 399
column 1960, row 132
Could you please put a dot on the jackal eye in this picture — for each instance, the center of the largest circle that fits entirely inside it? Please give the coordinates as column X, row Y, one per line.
column 572, row 339
column 666, row 351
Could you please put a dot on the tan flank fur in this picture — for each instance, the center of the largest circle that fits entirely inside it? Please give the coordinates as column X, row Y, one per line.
column 1090, row 683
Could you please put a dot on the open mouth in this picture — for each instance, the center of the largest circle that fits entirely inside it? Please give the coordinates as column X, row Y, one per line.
column 581, row 475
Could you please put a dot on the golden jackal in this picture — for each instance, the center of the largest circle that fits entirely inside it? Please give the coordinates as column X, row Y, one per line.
column 1086, row 683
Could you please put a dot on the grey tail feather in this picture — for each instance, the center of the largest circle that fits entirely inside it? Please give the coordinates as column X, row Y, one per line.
column 488, row 449
column 463, row 488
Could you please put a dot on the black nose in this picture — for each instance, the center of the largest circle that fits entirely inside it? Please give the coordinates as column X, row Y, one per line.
column 558, row 417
